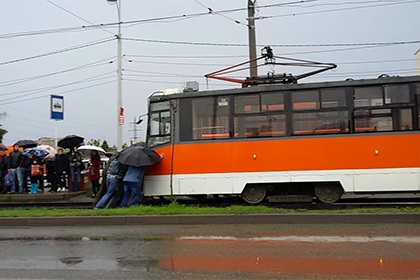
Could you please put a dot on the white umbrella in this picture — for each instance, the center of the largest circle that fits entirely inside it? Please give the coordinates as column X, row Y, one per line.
column 89, row 148
column 51, row 151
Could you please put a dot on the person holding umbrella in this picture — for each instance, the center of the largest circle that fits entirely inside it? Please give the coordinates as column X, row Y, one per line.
column 136, row 157
column 61, row 165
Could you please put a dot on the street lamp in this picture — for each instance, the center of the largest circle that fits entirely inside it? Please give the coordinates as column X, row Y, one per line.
column 120, row 110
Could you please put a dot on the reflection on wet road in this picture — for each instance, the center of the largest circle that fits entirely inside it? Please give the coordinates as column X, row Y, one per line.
column 212, row 252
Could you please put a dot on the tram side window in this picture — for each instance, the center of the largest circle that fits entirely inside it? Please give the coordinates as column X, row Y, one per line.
column 260, row 126
column 247, row 104
column 321, row 122
column 368, row 96
column 406, row 119
column 305, row 100
column 394, row 119
column 332, row 98
column 418, row 104
column 396, row 94
column 272, row 102
column 259, row 115
column 210, row 118
column 317, row 112
column 373, row 120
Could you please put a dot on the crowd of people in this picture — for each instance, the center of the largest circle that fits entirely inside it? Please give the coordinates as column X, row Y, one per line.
column 121, row 184
column 17, row 168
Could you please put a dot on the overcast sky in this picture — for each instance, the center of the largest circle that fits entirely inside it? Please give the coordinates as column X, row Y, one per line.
column 59, row 47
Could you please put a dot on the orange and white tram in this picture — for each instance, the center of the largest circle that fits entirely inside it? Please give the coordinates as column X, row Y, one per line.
column 319, row 139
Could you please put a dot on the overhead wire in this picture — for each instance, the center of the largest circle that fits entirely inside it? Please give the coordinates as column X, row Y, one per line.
column 216, row 64
column 77, row 16
column 81, row 67
column 211, row 11
column 338, row 9
column 272, row 45
column 48, row 89
column 63, row 92
column 43, row 117
column 131, row 22
column 77, row 47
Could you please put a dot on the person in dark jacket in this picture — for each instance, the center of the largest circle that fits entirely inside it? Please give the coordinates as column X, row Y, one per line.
column 60, row 171
column 13, row 165
column 113, row 185
column 23, row 172
column 75, row 162
column 3, row 171
column 49, row 164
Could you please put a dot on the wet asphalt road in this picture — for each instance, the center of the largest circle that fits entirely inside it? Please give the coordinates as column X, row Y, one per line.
column 231, row 252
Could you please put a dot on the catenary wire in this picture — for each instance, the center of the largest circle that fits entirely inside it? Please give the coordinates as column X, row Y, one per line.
column 131, row 22
column 81, row 67
column 336, row 10
column 90, row 44
column 63, row 92
column 59, row 86
column 77, row 16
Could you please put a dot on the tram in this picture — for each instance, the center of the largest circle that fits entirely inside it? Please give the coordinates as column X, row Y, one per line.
column 317, row 139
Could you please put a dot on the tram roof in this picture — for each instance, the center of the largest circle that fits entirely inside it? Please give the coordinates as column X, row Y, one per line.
column 160, row 95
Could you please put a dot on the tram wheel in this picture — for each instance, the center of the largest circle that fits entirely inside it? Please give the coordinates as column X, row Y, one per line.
column 254, row 194
column 328, row 193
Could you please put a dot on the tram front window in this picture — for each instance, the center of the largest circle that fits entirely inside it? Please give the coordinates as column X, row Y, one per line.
column 159, row 124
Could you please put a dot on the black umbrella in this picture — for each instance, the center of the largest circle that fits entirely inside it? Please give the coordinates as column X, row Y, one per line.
column 26, row 143
column 3, row 147
column 138, row 156
column 70, row 141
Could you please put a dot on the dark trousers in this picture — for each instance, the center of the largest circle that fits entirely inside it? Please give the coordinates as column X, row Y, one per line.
column 95, row 186
column 60, row 181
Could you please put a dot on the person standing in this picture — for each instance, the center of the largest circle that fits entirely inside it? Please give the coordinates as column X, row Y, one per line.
column 94, row 171
column 23, row 172
column 60, row 171
column 13, row 164
column 3, row 171
column 133, row 180
column 36, row 173
column 50, row 177
column 75, row 162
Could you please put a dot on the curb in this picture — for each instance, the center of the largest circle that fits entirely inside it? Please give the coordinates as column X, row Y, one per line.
column 394, row 218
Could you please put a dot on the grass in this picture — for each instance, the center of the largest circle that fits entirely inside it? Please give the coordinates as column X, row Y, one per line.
column 177, row 209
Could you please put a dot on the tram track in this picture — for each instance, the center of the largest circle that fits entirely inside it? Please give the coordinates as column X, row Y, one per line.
column 235, row 201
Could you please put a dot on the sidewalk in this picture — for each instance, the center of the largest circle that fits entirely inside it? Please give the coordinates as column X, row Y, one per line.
column 44, row 197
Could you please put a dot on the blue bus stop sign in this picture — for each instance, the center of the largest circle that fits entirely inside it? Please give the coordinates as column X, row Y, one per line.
column 57, row 107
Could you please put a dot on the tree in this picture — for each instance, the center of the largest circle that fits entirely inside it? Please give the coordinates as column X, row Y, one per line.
column 2, row 131
column 105, row 145
column 94, row 142
column 97, row 142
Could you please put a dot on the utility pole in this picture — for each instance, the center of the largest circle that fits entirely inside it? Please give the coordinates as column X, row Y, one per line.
column 252, row 41
column 120, row 109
